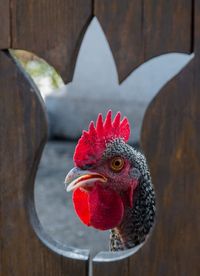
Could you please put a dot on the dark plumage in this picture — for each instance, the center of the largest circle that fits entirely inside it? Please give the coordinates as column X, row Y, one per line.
column 139, row 219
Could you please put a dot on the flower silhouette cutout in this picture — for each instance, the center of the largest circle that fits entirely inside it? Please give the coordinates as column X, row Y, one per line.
column 95, row 87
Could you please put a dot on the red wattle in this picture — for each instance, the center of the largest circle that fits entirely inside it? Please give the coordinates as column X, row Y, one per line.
column 101, row 208
column 80, row 200
column 106, row 208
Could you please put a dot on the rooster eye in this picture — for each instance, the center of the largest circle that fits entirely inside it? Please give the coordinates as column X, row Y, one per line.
column 117, row 164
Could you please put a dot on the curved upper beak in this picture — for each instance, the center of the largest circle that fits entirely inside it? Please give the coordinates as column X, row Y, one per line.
column 82, row 178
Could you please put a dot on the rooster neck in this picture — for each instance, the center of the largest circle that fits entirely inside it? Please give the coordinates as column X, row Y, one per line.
column 137, row 221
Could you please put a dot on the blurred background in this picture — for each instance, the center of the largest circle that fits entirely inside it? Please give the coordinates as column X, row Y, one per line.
column 80, row 101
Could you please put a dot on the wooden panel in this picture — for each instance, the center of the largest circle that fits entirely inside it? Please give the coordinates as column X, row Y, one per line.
column 23, row 134
column 170, row 140
column 52, row 29
column 4, row 24
column 138, row 30
column 123, row 24
column 167, row 27
column 111, row 268
column 170, row 137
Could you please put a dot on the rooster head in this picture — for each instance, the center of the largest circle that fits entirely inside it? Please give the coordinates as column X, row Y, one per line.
column 105, row 175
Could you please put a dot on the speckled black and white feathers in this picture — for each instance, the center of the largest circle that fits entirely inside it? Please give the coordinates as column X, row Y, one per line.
column 138, row 220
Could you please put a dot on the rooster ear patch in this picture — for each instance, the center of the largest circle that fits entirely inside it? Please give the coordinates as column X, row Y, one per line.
column 93, row 142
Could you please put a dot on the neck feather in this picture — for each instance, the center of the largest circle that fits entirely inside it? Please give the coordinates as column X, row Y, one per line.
column 137, row 221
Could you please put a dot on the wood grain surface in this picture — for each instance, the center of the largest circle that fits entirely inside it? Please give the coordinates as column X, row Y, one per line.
column 139, row 30
column 170, row 137
column 170, row 140
column 52, row 29
column 4, row 24
column 23, row 131
column 122, row 23
column 167, row 27
column 117, row 268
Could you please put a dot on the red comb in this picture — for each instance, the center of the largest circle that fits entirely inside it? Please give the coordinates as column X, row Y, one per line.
column 93, row 142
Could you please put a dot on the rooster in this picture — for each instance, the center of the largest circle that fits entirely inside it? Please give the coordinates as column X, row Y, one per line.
column 111, row 183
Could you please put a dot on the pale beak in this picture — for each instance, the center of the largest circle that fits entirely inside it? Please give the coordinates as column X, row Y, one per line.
column 82, row 178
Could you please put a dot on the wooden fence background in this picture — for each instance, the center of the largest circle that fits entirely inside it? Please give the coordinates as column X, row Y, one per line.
column 137, row 31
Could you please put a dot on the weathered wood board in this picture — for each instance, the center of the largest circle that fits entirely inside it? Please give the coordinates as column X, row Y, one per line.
column 4, row 24
column 140, row 30
column 23, row 131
